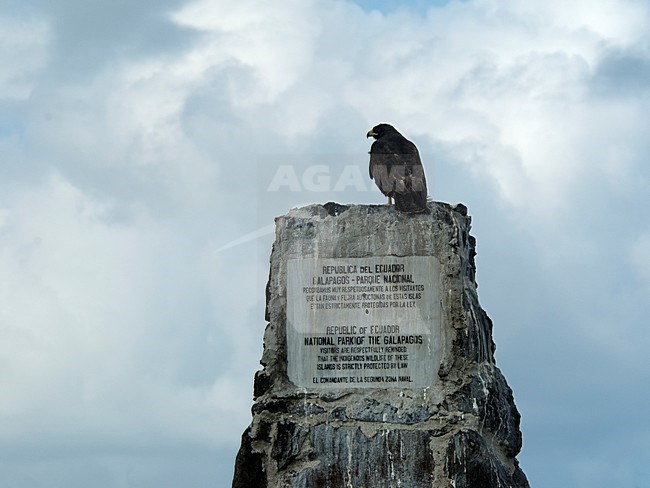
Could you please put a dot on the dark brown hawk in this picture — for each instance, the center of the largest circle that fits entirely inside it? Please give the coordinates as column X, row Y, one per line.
column 396, row 167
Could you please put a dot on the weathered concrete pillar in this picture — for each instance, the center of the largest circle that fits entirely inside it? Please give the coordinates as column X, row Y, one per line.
column 378, row 359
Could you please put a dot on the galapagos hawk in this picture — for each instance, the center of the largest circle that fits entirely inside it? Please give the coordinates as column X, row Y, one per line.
column 396, row 167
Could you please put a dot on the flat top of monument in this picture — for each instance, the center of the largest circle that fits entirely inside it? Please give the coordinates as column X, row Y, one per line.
column 335, row 209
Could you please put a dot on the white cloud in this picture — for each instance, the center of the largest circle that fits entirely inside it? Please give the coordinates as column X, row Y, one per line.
column 639, row 257
column 95, row 328
column 514, row 94
column 250, row 32
column 134, row 312
column 23, row 44
column 609, row 20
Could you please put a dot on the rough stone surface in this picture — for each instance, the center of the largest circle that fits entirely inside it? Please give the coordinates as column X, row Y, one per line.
column 463, row 432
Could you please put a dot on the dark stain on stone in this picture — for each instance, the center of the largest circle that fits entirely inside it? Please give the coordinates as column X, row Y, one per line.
column 389, row 458
column 470, row 464
column 249, row 466
column 261, row 384
column 288, row 443
column 335, row 209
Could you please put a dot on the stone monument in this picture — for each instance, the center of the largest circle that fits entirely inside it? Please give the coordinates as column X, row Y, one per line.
column 378, row 362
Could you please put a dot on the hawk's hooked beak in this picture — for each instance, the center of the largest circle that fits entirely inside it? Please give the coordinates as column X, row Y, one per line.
column 371, row 134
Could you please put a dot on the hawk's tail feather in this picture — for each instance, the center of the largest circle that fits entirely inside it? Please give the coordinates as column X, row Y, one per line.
column 412, row 202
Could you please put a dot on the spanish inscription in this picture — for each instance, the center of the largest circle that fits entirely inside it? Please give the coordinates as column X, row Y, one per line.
column 363, row 322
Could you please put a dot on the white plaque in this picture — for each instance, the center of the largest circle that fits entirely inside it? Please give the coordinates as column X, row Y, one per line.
column 363, row 322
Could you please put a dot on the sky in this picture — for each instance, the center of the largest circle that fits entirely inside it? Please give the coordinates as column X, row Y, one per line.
column 145, row 148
